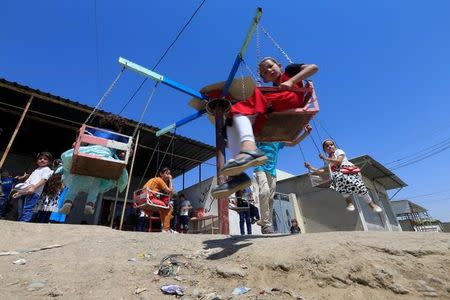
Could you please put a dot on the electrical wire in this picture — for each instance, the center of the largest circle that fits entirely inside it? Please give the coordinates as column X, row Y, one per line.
column 163, row 55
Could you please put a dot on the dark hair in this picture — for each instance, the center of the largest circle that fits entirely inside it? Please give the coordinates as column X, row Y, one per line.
column 56, row 163
column 53, row 185
column 111, row 122
column 326, row 141
column 181, row 195
column 263, row 60
column 46, row 154
column 163, row 169
column 4, row 173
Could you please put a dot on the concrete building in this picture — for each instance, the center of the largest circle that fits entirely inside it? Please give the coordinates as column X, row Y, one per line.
column 413, row 217
column 50, row 123
column 322, row 209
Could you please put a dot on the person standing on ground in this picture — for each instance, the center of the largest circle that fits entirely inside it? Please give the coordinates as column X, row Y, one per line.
column 185, row 207
column 266, row 178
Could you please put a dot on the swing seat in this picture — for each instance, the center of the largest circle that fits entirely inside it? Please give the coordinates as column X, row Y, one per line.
column 96, row 166
column 147, row 199
column 232, row 204
column 236, row 92
column 321, row 180
column 285, row 126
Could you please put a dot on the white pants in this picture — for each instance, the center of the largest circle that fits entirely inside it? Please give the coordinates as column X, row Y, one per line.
column 241, row 131
column 264, row 190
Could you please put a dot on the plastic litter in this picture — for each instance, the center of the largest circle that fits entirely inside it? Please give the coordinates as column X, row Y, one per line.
column 172, row 289
column 241, row 290
column 169, row 265
column 21, row 261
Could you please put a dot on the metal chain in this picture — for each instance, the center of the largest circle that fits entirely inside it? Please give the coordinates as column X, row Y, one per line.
column 318, row 134
column 243, row 82
column 258, row 44
column 276, row 44
column 145, row 109
column 148, row 164
column 164, row 156
column 315, row 144
column 105, row 95
column 258, row 54
column 255, row 78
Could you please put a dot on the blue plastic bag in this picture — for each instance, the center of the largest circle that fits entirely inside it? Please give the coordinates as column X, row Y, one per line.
column 172, row 289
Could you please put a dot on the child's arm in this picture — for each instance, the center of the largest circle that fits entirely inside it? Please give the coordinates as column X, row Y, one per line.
column 167, row 187
column 314, row 169
column 34, row 187
column 24, row 176
column 336, row 162
column 306, row 71
column 301, row 137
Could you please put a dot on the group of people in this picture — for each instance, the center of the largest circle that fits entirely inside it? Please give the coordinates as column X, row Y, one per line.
column 34, row 197
column 42, row 190
column 174, row 213
column 248, row 116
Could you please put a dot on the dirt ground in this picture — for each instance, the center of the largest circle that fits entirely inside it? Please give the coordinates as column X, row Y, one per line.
column 93, row 262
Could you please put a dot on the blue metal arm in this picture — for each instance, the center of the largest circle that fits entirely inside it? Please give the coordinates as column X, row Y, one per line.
column 160, row 78
column 230, row 78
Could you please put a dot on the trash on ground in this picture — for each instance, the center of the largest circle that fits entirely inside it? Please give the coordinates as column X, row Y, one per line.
column 172, row 289
column 21, row 261
column 241, row 290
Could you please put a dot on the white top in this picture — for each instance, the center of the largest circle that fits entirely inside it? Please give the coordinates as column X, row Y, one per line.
column 37, row 175
column 345, row 161
column 184, row 208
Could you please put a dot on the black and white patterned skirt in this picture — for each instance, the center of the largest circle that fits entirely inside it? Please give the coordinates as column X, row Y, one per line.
column 347, row 184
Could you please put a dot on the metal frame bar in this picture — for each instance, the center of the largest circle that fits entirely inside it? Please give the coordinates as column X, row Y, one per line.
column 230, row 78
column 160, row 78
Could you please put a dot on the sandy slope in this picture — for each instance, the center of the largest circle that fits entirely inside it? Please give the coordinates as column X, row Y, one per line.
column 100, row 263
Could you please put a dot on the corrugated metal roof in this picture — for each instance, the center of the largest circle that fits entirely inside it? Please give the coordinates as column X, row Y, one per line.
column 62, row 117
column 375, row 171
column 406, row 207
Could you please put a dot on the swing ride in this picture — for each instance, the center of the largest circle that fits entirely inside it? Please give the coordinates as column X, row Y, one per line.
column 97, row 166
column 149, row 200
column 237, row 205
column 280, row 126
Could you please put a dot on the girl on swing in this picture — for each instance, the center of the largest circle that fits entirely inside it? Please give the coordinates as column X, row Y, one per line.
column 251, row 114
column 346, row 177
column 93, row 186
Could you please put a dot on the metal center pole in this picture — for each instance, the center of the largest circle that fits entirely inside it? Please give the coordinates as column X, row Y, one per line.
column 220, row 160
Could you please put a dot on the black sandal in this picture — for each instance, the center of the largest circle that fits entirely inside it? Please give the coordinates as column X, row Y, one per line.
column 235, row 184
column 253, row 158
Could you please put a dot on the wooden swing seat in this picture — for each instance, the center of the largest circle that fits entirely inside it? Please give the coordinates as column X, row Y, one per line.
column 96, row 166
column 238, row 208
column 283, row 126
column 143, row 200
column 233, row 205
column 321, row 180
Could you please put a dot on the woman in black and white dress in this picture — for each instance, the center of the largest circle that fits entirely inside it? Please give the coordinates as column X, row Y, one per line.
column 346, row 176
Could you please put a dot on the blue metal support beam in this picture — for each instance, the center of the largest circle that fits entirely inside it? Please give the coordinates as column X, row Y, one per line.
column 237, row 61
column 160, row 78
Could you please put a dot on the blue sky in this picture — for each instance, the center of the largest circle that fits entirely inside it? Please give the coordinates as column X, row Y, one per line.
column 382, row 85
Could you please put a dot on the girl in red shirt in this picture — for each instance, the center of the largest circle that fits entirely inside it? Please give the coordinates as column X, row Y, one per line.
column 251, row 114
